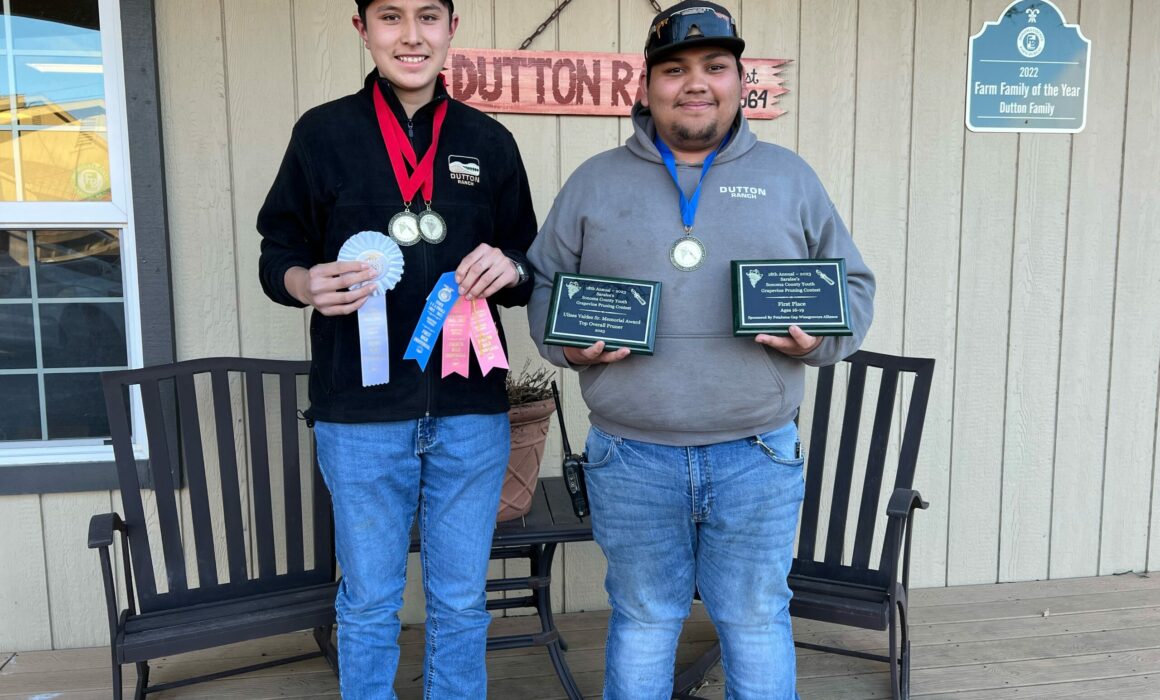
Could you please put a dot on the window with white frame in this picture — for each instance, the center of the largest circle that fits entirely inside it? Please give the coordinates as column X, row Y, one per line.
column 68, row 299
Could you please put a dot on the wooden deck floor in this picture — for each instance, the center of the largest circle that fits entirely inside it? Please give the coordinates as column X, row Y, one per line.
column 1079, row 638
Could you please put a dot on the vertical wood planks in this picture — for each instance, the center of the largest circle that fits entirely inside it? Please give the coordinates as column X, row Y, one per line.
column 1088, row 295
column 988, row 212
column 1131, row 452
column 476, row 24
column 635, row 17
column 75, row 594
column 770, row 29
column 197, row 173
column 882, row 147
column 932, row 264
column 826, row 97
column 328, row 54
column 24, row 602
column 259, row 61
column 1033, row 350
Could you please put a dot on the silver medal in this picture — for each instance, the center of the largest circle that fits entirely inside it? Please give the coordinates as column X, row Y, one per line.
column 432, row 227
column 687, row 254
column 404, row 228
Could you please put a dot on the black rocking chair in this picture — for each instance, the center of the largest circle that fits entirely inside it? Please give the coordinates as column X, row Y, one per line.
column 862, row 593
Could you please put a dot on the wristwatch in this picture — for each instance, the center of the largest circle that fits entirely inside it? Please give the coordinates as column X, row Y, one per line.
column 521, row 271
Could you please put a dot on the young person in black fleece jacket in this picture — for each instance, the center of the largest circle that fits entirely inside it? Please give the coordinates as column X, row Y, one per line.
column 419, row 443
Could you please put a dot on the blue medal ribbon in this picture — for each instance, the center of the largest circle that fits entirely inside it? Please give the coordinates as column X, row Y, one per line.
column 439, row 303
column 688, row 206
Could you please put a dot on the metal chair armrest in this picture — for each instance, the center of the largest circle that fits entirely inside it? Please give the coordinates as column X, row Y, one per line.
column 101, row 528
column 900, row 513
column 903, row 502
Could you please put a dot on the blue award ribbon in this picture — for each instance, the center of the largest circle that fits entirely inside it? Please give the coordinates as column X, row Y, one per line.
column 688, row 206
column 373, row 344
column 439, row 303
column 384, row 256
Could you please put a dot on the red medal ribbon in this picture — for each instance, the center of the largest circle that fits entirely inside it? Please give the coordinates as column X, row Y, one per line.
column 399, row 148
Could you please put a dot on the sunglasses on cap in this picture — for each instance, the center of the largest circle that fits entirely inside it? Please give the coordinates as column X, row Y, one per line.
column 675, row 28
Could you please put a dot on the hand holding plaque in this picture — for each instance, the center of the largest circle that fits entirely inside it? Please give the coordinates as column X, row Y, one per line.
column 586, row 309
column 769, row 296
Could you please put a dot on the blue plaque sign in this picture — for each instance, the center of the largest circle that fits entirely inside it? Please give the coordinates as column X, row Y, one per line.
column 1028, row 72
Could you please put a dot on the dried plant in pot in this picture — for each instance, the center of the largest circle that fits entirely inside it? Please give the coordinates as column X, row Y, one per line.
column 530, row 394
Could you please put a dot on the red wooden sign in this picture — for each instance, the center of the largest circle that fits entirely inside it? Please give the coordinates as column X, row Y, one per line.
column 581, row 83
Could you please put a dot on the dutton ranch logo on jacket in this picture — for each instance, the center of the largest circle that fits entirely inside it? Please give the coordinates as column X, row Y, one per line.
column 464, row 169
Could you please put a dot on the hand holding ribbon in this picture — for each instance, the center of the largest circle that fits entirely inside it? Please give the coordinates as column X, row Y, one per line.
column 331, row 288
column 485, row 271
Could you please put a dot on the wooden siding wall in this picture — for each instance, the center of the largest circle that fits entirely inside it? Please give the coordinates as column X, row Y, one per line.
column 1021, row 262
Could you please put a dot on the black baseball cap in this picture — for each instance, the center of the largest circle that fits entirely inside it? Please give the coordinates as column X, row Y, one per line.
column 691, row 23
column 362, row 5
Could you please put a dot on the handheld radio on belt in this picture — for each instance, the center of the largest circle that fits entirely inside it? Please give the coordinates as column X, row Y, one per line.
column 573, row 466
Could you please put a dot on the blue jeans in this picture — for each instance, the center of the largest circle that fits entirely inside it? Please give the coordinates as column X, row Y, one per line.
column 451, row 469
column 720, row 519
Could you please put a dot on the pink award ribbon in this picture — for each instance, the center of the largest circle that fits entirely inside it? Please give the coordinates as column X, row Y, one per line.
column 457, row 339
column 485, row 338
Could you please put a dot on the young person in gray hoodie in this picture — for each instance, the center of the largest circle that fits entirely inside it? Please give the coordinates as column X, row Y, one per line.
column 693, row 465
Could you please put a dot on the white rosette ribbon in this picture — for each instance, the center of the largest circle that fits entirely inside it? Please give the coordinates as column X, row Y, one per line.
column 384, row 255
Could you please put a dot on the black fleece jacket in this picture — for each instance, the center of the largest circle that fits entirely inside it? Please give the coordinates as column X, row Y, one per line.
column 335, row 181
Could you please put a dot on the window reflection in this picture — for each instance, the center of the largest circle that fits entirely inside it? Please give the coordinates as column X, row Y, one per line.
column 56, row 109
column 75, row 406
column 15, row 279
column 64, row 166
column 71, row 25
column 20, row 409
column 78, row 264
column 7, row 166
column 83, row 335
column 58, row 90
column 17, row 337
column 62, row 313
column 62, row 316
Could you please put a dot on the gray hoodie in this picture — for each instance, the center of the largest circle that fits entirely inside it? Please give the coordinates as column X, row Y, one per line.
column 619, row 214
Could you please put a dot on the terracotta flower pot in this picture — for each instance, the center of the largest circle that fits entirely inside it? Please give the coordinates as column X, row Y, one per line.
column 530, row 424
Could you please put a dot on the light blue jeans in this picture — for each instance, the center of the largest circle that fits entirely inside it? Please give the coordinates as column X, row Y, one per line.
column 720, row 519
column 451, row 469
